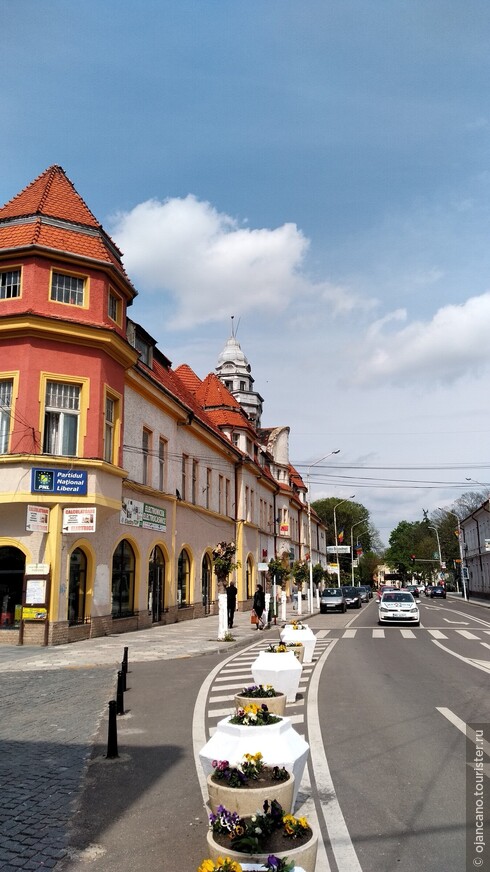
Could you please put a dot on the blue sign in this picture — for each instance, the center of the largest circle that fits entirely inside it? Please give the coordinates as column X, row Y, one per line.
column 59, row 481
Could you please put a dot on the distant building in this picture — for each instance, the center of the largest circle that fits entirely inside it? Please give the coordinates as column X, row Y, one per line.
column 118, row 473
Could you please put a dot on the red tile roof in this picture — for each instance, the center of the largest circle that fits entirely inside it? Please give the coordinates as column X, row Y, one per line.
column 213, row 394
column 189, row 377
column 33, row 218
column 51, row 194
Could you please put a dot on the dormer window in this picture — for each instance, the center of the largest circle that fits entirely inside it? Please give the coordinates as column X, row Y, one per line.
column 144, row 349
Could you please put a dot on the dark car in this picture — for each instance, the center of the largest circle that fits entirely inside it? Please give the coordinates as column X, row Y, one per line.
column 332, row 600
column 366, row 592
column 438, row 590
column 352, row 596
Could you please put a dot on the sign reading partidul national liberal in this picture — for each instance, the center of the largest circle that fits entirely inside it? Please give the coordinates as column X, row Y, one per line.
column 59, row 481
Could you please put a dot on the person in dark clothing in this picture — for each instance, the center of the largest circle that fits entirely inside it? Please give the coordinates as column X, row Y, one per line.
column 231, row 593
column 259, row 605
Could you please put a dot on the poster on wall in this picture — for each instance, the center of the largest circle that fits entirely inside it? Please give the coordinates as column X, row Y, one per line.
column 35, row 591
column 80, row 520
column 37, row 518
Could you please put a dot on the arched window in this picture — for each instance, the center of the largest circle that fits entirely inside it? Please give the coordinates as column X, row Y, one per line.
column 12, row 566
column 183, row 575
column 206, row 574
column 77, row 587
column 250, row 581
column 123, row 563
column 156, row 584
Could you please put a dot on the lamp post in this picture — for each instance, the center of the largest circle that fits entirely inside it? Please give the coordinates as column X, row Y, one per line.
column 436, row 531
column 352, row 546
column 461, row 554
column 309, row 519
column 335, row 531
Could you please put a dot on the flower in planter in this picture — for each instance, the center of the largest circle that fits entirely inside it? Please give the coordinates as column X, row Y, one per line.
column 250, row 769
column 223, row 864
column 276, row 649
column 254, row 715
column 278, row 864
column 251, row 834
column 259, row 690
column 294, row 644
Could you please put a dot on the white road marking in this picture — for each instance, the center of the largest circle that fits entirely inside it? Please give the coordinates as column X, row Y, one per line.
column 342, row 847
column 483, row 665
column 437, row 634
column 463, row 728
column 466, row 634
column 349, row 634
column 408, row 634
column 378, row 634
column 465, row 623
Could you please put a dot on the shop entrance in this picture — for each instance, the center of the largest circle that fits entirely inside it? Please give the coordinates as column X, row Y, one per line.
column 12, row 569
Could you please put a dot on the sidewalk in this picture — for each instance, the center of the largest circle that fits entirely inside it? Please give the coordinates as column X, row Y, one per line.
column 169, row 642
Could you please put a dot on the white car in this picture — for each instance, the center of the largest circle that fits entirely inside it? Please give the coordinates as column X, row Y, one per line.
column 398, row 606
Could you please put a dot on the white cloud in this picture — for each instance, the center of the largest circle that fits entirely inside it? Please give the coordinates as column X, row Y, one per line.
column 208, row 266
column 444, row 349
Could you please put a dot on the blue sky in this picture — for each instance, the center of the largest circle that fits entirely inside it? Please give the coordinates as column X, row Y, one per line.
column 319, row 170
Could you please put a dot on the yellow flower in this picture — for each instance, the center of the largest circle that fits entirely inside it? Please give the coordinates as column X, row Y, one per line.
column 207, row 866
column 303, row 822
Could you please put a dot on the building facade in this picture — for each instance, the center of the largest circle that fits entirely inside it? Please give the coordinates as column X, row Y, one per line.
column 118, row 473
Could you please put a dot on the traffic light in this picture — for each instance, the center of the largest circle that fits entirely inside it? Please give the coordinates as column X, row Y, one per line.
column 412, row 559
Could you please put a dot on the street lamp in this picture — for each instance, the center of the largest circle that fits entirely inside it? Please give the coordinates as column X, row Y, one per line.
column 309, row 518
column 335, row 531
column 432, row 527
column 461, row 554
column 352, row 545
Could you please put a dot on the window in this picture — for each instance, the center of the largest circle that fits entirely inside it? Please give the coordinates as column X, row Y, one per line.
column 110, row 416
column 242, row 385
column 61, row 417
column 156, row 584
column 114, row 307
column 67, row 289
column 9, row 284
column 184, row 477
column 5, row 413
column 195, row 468
column 123, row 564
column 144, row 349
column 146, row 448
column 220, row 494
column 209, row 482
column 162, row 447
column 183, row 574
column 236, row 439
column 227, row 496
column 229, row 384
column 77, row 587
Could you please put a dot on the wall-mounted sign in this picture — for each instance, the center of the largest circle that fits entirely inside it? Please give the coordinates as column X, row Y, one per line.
column 34, row 614
column 80, row 520
column 263, row 567
column 37, row 568
column 35, row 591
column 37, row 518
column 59, row 481
column 284, row 529
column 137, row 514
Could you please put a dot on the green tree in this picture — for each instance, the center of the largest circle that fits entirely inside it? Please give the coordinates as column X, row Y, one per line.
column 301, row 573
column 279, row 567
column 318, row 574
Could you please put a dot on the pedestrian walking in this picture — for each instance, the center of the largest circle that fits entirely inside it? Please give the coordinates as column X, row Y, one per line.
column 259, row 605
column 294, row 592
column 231, row 594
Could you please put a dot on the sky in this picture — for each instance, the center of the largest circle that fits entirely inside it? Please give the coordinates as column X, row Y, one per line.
column 317, row 169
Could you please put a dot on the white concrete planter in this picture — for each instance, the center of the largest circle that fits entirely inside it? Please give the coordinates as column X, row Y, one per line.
column 246, row 801
column 299, row 652
column 275, row 704
column 282, row 670
column 303, row 856
column 306, row 636
column 279, row 744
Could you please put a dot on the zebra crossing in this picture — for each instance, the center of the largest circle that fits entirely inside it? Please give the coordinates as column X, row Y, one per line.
column 404, row 632
column 237, row 674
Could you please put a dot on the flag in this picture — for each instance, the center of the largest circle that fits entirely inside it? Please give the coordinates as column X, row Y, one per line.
column 340, row 537
column 359, row 549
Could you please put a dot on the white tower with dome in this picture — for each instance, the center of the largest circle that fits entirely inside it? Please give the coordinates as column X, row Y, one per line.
column 234, row 371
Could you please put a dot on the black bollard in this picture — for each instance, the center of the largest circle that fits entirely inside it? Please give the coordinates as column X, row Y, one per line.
column 112, row 732
column 120, row 694
column 123, row 677
column 125, row 660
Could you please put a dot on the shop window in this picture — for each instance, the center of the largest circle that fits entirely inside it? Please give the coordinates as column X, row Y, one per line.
column 123, row 571
column 12, row 567
column 77, row 587
column 156, row 584
column 183, row 577
column 206, row 576
column 249, row 579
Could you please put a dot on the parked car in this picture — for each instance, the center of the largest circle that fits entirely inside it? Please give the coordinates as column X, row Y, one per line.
column 352, row 597
column 364, row 591
column 398, row 606
column 438, row 590
column 332, row 600
column 427, row 589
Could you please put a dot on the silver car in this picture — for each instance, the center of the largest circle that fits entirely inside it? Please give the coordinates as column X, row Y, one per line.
column 332, row 600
